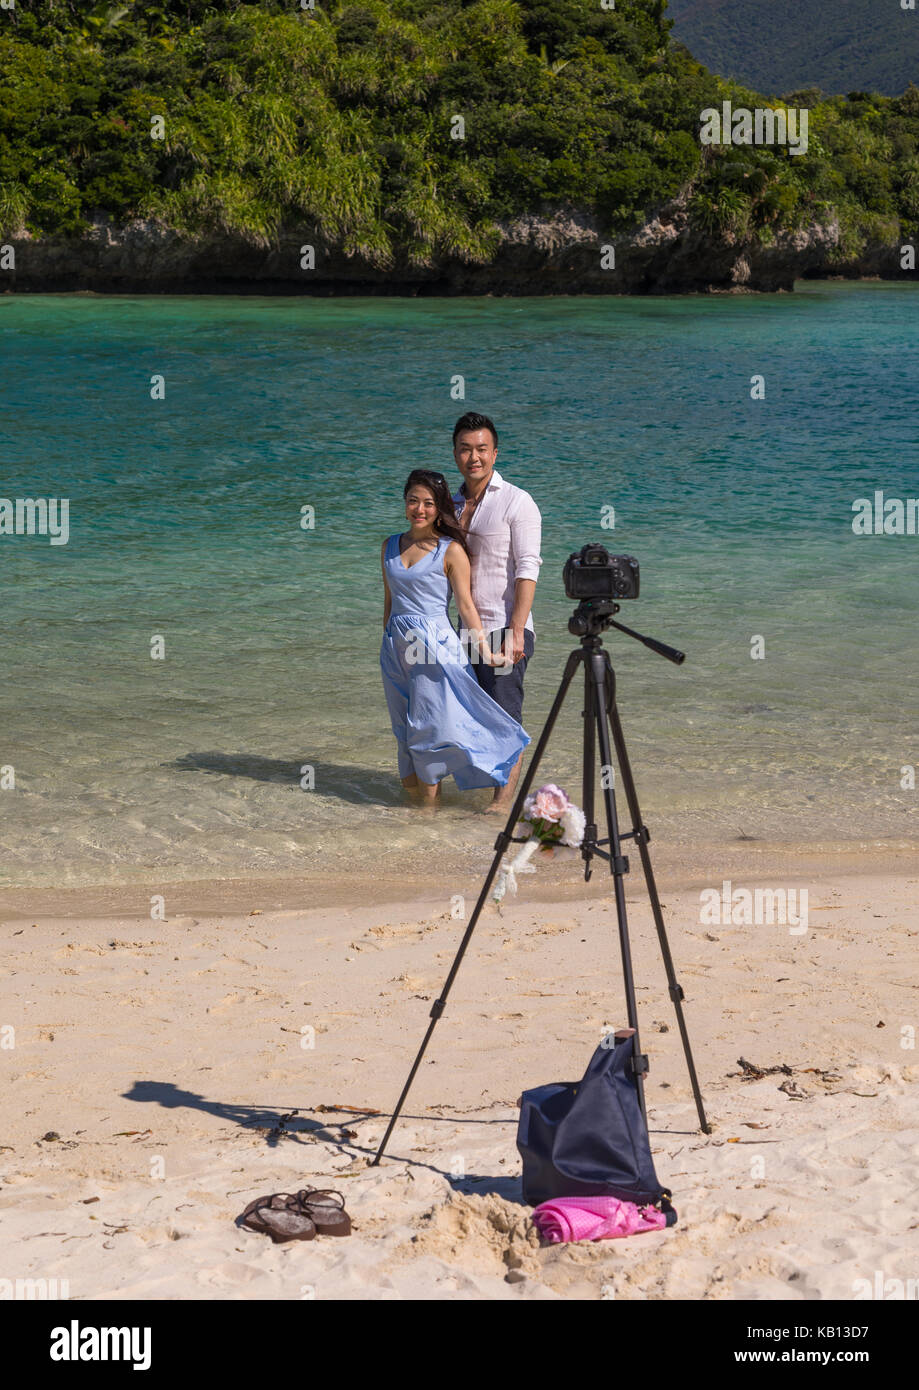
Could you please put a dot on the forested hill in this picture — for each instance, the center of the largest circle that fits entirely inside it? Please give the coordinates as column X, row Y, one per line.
column 408, row 138
column 777, row 45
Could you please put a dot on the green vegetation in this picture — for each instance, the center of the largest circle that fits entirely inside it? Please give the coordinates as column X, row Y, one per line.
column 775, row 45
column 341, row 117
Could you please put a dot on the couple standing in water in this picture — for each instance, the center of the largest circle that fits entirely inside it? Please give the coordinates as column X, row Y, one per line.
column 455, row 706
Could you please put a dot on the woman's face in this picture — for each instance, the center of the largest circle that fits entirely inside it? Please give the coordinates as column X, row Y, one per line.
column 420, row 507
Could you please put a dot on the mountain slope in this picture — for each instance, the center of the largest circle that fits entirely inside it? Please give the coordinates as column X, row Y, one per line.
column 406, row 139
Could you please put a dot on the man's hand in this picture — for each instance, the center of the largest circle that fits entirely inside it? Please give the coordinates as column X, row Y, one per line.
column 512, row 647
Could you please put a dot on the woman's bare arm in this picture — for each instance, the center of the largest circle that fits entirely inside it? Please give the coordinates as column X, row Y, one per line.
column 387, row 596
column 459, row 572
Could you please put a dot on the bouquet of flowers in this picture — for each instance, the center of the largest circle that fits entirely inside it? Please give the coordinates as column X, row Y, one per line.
column 551, row 819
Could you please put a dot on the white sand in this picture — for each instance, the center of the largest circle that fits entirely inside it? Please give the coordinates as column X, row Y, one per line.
column 188, row 1033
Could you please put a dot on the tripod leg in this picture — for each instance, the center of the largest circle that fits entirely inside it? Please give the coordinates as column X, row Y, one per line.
column 642, row 837
column 619, row 866
column 501, row 844
column 589, row 842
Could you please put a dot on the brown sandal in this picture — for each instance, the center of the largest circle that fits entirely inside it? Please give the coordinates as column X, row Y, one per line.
column 327, row 1214
column 279, row 1216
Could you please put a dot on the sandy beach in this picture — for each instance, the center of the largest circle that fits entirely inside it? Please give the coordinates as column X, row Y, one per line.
column 161, row 1074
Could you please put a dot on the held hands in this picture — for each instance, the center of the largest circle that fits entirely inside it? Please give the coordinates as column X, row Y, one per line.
column 508, row 654
column 513, row 645
column 483, row 653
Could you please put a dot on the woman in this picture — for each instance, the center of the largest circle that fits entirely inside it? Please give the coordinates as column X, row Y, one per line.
column 444, row 722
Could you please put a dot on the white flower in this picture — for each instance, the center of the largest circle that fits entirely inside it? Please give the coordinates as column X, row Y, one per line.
column 573, row 823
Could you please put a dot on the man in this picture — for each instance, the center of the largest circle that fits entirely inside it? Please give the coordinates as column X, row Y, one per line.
column 503, row 530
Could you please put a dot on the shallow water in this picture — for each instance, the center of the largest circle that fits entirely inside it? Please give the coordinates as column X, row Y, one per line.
column 184, row 523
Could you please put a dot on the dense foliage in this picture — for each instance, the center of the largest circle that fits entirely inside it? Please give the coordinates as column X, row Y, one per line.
column 341, row 117
column 838, row 46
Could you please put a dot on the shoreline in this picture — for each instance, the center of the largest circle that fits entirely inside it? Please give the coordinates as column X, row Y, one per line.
column 676, row 868
column 442, row 289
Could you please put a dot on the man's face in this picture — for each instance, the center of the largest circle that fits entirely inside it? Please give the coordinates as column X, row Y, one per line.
column 475, row 454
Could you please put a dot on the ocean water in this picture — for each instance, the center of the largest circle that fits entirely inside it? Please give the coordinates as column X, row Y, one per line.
column 185, row 525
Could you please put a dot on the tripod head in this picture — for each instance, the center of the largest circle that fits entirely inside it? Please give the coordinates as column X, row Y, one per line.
column 594, row 615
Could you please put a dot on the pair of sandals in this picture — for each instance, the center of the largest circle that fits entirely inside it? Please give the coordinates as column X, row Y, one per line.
column 298, row 1216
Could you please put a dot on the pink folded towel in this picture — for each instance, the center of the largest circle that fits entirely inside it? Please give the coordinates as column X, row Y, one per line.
column 594, row 1218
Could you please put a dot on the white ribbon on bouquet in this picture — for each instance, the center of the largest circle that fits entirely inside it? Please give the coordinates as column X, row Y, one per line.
column 520, row 864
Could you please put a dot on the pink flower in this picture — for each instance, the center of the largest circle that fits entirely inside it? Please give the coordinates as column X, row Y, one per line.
column 549, row 803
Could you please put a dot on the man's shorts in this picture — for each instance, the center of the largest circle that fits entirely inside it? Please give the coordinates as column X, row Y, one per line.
column 506, row 690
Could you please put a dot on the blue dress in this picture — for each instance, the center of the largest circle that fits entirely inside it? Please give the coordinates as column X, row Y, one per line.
column 444, row 722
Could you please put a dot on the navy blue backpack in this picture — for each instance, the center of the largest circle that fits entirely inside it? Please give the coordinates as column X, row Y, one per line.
column 588, row 1138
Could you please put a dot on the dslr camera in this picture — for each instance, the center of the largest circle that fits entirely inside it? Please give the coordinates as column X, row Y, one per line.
column 592, row 573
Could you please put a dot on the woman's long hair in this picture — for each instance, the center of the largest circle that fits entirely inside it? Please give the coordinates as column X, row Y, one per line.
column 445, row 523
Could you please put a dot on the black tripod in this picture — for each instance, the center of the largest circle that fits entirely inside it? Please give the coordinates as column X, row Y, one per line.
column 590, row 618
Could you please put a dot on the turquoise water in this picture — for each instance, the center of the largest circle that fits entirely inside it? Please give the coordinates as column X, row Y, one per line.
column 184, row 523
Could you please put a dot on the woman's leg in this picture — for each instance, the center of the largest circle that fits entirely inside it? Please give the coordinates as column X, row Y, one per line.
column 429, row 793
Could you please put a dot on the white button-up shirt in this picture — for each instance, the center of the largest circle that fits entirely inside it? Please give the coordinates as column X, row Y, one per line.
column 503, row 538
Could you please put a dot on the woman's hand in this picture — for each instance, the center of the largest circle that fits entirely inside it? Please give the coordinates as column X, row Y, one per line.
column 490, row 658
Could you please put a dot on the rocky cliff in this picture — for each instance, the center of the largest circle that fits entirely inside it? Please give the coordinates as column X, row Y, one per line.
column 560, row 253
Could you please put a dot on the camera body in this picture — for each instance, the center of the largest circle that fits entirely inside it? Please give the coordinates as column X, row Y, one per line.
column 592, row 573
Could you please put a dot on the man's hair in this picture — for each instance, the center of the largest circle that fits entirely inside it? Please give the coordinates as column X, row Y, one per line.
column 473, row 421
